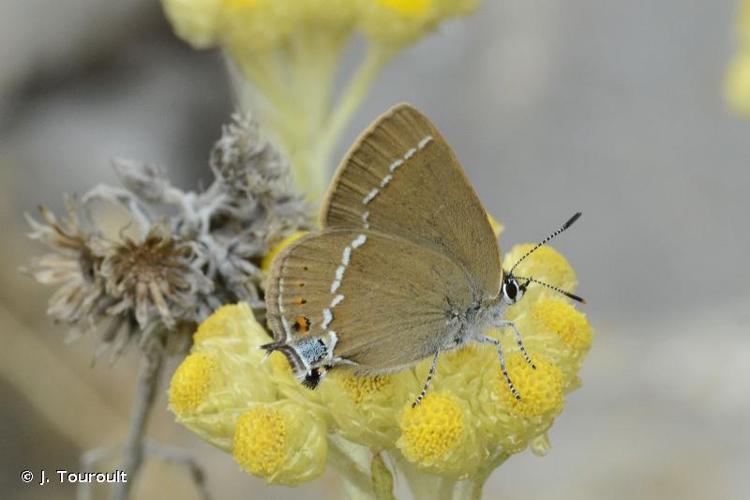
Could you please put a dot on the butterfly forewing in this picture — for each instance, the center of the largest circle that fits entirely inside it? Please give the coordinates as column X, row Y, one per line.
column 402, row 179
column 373, row 291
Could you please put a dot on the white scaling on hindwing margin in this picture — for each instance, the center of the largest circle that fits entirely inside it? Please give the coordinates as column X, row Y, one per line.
column 336, row 301
column 327, row 318
column 365, row 220
column 280, row 304
column 359, row 241
column 340, row 270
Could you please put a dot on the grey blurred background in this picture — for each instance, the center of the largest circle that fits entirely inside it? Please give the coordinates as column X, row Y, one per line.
column 613, row 108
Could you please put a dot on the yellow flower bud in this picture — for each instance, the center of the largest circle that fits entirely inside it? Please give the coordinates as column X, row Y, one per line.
column 195, row 21
column 439, row 437
column 281, row 442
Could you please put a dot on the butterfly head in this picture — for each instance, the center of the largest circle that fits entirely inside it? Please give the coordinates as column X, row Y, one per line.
column 513, row 290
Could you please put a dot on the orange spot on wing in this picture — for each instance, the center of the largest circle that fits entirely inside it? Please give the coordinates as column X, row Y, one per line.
column 302, row 324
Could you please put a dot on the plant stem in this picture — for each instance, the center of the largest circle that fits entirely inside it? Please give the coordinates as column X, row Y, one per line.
column 352, row 96
column 148, row 382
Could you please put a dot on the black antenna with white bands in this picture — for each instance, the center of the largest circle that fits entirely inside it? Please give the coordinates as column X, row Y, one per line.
column 547, row 240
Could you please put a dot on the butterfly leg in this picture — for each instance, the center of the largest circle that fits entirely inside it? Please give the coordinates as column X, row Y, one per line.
column 519, row 340
column 496, row 343
column 429, row 379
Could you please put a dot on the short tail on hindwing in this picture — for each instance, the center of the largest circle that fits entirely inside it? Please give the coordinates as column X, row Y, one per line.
column 309, row 378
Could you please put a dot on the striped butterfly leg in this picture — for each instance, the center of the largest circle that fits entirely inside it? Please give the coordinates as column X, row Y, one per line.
column 430, row 374
column 519, row 341
column 499, row 347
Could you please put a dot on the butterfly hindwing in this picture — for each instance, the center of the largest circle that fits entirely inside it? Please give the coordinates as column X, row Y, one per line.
column 372, row 290
column 401, row 178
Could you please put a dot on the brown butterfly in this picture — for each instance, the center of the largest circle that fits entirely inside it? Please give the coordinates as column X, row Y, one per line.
column 406, row 264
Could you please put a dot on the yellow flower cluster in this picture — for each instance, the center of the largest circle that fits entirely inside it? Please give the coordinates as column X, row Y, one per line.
column 285, row 56
column 737, row 80
column 468, row 423
column 226, row 394
column 257, row 25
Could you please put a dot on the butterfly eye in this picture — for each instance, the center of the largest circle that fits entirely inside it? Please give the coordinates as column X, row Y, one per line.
column 511, row 290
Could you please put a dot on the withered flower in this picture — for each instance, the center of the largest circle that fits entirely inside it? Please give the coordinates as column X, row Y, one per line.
column 159, row 273
column 206, row 251
column 73, row 264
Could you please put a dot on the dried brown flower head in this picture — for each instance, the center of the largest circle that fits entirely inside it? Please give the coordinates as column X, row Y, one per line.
column 73, row 265
column 180, row 267
column 156, row 273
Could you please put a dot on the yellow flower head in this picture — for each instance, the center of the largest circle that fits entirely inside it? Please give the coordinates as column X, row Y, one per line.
column 192, row 382
column 438, row 435
column 282, row 442
column 365, row 409
column 540, row 388
column 559, row 317
column 509, row 425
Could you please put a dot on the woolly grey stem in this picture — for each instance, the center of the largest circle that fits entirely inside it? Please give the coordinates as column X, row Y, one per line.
column 148, row 382
column 176, row 455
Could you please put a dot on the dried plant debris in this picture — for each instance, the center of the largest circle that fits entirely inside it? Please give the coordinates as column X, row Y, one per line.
column 193, row 252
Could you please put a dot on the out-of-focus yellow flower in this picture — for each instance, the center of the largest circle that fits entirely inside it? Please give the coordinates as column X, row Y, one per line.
column 497, row 228
column 289, row 51
column 438, row 435
column 737, row 82
column 395, row 22
column 195, row 21
column 737, row 79
column 282, row 442
column 253, row 26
